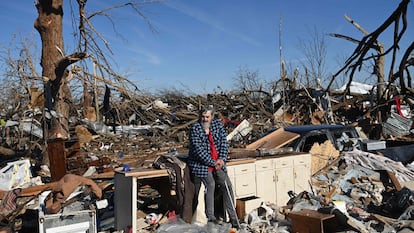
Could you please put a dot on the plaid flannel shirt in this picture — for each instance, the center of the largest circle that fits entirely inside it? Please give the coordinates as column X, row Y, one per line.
column 199, row 157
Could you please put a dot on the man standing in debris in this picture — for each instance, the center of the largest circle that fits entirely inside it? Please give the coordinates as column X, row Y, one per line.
column 208, row 149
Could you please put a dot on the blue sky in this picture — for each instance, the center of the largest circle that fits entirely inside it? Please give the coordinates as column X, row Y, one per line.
column 201, row 44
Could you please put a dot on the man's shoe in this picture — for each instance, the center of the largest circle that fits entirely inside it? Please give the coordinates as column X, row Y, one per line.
column 215, row 221
column 234, row 224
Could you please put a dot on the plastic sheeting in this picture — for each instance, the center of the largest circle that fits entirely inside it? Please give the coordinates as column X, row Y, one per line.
column 15, row 175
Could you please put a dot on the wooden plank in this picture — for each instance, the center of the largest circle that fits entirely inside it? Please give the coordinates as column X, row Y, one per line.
column 394, row 180
column 103, row 175
column 276, row 139
column 31, row 191
column 57, row 158
column 240, row 153
column 386, row 220
column 143, row 173
column 331, row 193
column 36, row 190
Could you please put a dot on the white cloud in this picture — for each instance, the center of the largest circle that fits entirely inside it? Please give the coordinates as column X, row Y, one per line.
column 134, row 50
column 209, row 20
column 150, row 57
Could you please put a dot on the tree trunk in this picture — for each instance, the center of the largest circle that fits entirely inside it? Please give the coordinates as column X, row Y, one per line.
column 49, row 26
column 380, row 72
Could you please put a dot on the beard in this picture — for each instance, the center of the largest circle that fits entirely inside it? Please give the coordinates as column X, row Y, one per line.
column 206, row 125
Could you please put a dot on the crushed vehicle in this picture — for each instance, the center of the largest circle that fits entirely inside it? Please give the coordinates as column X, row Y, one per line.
column 344, row 138
column 347, row 138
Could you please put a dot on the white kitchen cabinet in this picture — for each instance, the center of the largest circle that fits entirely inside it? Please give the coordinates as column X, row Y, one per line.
column 243, row 179
column 284, row 179
column 275, row 177
column 302, row 172
column 265, row 180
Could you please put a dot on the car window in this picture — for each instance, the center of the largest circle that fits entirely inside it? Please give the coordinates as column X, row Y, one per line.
column 310, row 140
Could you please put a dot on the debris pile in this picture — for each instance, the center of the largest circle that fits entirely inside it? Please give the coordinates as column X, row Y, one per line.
column 146, row 128
column 359, row 192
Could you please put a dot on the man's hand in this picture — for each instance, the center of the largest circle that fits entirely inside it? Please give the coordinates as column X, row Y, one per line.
column 219, row 164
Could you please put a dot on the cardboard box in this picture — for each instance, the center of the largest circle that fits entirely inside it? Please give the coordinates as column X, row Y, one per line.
column 246, row 205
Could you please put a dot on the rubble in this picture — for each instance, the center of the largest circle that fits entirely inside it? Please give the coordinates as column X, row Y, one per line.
column 351, row 182
column 64, row 177
column 137, row 130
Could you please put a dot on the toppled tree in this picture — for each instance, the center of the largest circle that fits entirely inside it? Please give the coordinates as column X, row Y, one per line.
column 370, row 41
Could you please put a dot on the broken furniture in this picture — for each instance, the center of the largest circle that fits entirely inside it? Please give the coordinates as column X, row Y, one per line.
column 58, row 151
column 243, row 179
column 126, row 194
column 246, row 205
column 271, row 178
column 277, row 175
column 76, row 221
column 242, row 176
column 311, row 221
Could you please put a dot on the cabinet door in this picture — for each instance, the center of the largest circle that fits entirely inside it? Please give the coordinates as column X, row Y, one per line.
column 244, row 180
column 230, row 172
column 302, row 172
column 265, row 185
column 284, row 184
column 245, row 185
column 265, row 180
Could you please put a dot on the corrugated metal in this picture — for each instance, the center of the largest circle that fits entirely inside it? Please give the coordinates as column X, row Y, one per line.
column 397, row 125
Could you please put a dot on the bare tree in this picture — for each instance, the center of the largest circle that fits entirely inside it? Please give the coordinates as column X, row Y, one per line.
column 19, row 69
column 379, row 61
column 315, row 49
column 247, row 79
column 91, row 48
column 370, row 41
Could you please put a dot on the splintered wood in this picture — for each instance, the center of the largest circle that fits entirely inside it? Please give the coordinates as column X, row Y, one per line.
column 322, row 154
